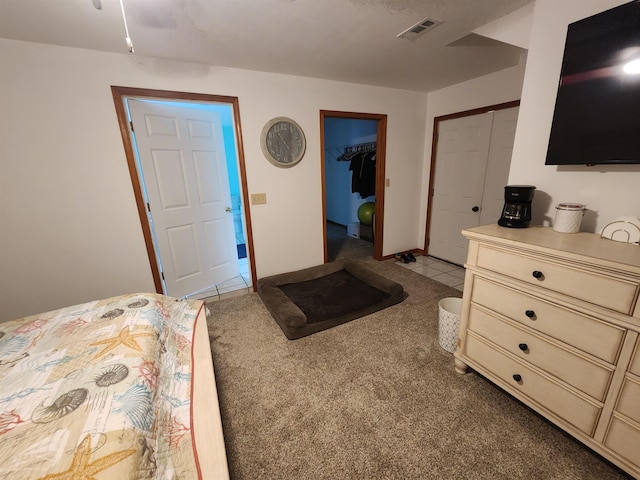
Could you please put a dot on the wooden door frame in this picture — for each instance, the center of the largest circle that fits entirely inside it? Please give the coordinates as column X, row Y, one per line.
column 119, row 95
column 434, row 150
column 381, row 150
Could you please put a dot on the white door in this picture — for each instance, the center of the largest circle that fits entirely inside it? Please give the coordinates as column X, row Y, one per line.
column 461, row 162
column 500, row 150
column 473, row 156
column 183, row 165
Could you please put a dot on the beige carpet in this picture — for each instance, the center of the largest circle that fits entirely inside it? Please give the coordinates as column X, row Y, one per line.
column 376, row 398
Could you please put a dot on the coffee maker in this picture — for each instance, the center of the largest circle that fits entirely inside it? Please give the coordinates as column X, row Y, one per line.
column 517, row 206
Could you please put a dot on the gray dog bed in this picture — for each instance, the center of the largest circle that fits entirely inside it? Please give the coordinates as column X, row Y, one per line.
column 314, row 299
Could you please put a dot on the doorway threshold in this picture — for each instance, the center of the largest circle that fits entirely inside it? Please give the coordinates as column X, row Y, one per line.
column 234, row 287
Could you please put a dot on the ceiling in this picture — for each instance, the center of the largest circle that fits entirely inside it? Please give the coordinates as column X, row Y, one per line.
column 347, row 40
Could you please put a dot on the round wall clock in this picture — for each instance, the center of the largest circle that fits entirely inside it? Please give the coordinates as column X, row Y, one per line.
column 282, row 141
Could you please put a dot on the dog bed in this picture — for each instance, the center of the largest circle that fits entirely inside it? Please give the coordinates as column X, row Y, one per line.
column 316, row 298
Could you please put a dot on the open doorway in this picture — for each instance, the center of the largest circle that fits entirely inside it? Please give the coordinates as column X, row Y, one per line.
column 353, row 158
column 190, row 256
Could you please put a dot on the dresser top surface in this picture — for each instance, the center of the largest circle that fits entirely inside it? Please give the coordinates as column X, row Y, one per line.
column 569, row 244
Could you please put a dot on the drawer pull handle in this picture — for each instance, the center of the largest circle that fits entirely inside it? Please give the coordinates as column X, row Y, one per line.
column 530, row 313
column 537, row 274
column 517, row 378
column 523, row 346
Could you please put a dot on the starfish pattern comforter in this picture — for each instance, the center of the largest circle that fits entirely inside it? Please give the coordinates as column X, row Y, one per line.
column 99, row 391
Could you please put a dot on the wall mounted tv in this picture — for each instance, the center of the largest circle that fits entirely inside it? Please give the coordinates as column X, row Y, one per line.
column 597, row 113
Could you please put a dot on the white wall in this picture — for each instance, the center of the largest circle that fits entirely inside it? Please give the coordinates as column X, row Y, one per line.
column 608, row 191
column 70, row 229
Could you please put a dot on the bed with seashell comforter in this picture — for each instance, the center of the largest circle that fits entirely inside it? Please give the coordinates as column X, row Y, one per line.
column 121, row 388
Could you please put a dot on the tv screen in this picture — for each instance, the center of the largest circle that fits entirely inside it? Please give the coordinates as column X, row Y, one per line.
column 597, row 114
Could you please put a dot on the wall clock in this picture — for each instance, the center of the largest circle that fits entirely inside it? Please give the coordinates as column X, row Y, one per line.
column 282, row 141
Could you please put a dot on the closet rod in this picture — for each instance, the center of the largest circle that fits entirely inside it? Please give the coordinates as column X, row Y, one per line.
column 361, row 147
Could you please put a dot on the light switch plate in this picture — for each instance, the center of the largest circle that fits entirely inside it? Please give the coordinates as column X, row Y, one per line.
column 258, row 198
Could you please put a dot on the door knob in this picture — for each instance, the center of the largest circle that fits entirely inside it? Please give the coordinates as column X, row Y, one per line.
column 228, row 209
column 475, row 209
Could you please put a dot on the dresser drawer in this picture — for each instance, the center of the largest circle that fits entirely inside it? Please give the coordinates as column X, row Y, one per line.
column 585, row 375
column 593, row 287
column 629, row 400
column 624, row 439
column 574, row 409
column 635, row 361
column 589, row 334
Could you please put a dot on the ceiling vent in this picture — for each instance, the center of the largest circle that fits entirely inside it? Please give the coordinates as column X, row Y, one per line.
column 419, row 28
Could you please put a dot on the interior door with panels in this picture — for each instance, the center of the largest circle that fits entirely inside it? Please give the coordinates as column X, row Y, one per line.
column 503, row 133
column 472, row 159
column 461, row 163
column 183, row 164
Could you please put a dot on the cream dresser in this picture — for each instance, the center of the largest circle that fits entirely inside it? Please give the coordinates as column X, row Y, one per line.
column 554, row 319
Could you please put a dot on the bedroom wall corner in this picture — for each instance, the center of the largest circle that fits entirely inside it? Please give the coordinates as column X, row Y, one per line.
column 608, row 192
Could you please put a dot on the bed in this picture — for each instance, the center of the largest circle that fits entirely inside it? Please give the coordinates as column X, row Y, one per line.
column 121, row 388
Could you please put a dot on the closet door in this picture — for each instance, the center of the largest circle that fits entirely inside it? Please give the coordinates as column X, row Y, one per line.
column 473, row 155
column 461, row 162
column 500, row 150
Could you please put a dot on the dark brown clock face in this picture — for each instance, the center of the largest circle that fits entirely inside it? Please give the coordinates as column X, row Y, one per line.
column 283, row 142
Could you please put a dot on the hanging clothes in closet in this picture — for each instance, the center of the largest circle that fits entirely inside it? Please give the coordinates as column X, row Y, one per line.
column 362, row 160
column 363, row 168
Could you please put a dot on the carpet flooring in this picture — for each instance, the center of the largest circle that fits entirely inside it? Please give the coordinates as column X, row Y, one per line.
column 375, row 398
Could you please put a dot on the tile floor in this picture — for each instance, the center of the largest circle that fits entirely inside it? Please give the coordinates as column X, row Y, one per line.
column 438, row 270
column 239, row 285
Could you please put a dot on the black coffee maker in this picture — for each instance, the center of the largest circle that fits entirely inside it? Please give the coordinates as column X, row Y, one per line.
column 517, row 206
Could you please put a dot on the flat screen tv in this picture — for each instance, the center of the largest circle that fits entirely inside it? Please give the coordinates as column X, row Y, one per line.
column 597, row 113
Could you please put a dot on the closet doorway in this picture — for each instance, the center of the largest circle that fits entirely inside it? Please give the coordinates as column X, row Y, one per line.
column 352, row 143
column 470, row 162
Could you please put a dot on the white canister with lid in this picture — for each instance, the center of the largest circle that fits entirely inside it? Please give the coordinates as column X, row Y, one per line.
column 569, row 217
